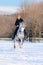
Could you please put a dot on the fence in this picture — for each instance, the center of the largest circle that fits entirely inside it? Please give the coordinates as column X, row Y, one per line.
column 37, row 39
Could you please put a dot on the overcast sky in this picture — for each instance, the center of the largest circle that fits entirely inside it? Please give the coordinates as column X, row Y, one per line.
column 15, row 2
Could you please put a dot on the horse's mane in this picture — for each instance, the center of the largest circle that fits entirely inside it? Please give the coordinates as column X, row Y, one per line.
column 22, row 24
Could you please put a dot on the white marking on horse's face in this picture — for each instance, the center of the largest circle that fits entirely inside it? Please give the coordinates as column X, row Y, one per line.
column 22, row 29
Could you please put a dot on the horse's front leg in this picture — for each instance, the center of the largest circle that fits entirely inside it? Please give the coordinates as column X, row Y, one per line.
column 21, row 43
column 14, row 44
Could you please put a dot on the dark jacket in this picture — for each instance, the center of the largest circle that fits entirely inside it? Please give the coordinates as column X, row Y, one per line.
column 18, row 21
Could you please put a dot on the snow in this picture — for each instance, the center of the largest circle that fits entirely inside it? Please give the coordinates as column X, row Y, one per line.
column 29, row 54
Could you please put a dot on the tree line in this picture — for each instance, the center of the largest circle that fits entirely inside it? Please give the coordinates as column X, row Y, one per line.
column 33, row 16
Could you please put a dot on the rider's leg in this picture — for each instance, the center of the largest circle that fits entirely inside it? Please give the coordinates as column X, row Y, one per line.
column 15, row 32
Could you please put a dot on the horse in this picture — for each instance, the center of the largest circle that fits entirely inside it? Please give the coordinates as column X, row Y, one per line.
column 19, row 38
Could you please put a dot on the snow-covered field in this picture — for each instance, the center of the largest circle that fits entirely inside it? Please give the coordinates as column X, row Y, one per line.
column 29, row 54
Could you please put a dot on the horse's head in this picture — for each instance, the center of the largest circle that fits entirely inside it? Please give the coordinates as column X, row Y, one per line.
column 22, row 27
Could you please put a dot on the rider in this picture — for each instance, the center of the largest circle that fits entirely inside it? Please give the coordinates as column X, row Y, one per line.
column 18, row 21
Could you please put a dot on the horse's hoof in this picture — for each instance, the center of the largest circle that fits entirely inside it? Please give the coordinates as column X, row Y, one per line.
column 14, row 46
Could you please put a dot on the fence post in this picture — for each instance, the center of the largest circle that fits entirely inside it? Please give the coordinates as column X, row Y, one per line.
column 30, row 36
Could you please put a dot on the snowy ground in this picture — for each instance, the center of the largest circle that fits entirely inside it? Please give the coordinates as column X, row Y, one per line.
column 29, row 54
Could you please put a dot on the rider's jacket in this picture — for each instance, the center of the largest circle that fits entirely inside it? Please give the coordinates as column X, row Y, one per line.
column 18, row 21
